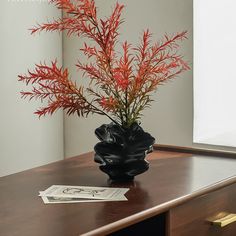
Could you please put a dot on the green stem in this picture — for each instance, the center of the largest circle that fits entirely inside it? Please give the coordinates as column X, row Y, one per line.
column 96, row 110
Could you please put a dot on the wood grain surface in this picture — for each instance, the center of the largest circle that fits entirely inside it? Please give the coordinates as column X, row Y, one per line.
column 173, row 178
column 192, row 218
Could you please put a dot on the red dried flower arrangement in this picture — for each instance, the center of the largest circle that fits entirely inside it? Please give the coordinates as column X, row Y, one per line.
column 120, row 86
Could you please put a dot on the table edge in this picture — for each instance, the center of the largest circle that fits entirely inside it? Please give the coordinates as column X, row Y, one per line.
column 138, row 217
column 193, row 150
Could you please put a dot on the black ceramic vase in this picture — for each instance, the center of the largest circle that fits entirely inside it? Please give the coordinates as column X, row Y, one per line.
column 122, row 151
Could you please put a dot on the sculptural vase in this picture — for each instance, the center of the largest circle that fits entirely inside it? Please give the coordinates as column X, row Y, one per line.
column 121, row 151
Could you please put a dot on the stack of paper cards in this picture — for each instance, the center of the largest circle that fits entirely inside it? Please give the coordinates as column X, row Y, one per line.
column 74, row 194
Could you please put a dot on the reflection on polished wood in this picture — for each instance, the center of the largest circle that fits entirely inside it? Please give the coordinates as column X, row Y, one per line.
column 174, row 178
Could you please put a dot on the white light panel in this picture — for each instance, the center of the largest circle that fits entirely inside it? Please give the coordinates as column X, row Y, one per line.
column 215, row 72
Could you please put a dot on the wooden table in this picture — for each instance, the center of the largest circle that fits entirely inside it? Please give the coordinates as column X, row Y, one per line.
column 174, row 197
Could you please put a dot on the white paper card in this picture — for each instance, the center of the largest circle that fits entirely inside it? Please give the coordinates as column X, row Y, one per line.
column 53, row 200
column 83, row 192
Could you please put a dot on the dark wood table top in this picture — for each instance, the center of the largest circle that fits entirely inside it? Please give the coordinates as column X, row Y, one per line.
column 173, row 178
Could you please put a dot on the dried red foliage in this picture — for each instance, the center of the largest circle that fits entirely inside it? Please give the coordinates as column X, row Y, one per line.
column 120, row 86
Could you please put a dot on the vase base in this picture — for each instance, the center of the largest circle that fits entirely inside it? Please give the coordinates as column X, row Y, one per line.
column 126, row 172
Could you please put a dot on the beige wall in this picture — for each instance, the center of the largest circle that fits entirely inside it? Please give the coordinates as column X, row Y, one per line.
column 25, row 141
column 170, row 119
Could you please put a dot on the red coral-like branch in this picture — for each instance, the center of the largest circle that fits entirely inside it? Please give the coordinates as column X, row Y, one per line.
column 53, row 83
column 120, row 86
column 123, row 70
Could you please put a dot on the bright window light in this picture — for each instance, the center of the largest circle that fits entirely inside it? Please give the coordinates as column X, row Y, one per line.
column 215, row 72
